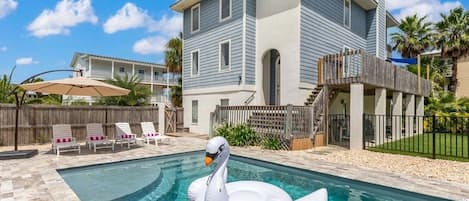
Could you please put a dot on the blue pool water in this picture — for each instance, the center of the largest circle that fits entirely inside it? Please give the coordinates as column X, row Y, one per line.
column 166, row 178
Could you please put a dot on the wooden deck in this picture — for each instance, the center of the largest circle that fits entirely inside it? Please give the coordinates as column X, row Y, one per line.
column 360, row 67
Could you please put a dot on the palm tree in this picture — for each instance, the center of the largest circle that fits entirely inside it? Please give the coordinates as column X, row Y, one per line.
column 6, row 87
column 414, row 37
column 173, row 54
column 453, row 36
column 173, row 59
column 138, row 95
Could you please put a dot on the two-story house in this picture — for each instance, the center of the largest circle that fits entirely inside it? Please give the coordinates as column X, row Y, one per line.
column 265, row 52
column 152, row 75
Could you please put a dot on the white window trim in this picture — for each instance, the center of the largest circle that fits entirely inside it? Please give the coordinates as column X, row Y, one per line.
column 219, row 56
column 192, row 64
column 349, row 14
column 220, row 9
column 192, row 112
column 192, row 20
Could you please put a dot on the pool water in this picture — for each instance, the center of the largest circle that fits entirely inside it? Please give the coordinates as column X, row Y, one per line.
column 166, row 178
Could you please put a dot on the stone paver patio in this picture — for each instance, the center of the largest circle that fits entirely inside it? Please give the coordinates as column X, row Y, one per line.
column 37, row 178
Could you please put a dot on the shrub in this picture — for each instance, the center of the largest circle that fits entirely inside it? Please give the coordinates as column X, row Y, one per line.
column 271, row 143
column 239, row 135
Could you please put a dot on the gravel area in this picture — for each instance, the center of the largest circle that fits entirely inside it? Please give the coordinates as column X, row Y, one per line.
column 445, row 170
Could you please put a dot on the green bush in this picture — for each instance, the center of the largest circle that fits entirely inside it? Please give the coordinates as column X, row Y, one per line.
column 239, row 135
column 271, row 143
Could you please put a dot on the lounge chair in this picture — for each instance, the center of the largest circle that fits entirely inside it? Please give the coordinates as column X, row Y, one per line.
column 149, row 133
column 95, row 137
column 62, row 140
column 124, row 135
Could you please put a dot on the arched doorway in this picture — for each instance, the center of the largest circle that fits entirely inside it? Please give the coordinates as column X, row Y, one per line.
column 271, row 76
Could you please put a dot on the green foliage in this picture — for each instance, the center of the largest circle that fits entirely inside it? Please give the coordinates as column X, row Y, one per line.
column 80, row 103
column 138, row 96
column 173, row 60
column 446, row 104
column 51, row 99
column 239, row 135
column 414, row 36
column 271, row 143
column 6, row 87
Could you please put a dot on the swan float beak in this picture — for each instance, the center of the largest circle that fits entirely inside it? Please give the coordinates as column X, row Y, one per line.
column 208, row 160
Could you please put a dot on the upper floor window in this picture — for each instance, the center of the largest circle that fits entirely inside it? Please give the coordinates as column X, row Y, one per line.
column 122, row 70
column 141, row 73
column 347, row 13
column 195, row 18
column 195, row 63
column 225, row 56
column 225, row 9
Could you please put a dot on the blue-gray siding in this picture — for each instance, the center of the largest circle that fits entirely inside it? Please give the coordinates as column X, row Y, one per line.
column 250, row 41
column 382, row 29
column 208, row 44
column 323, row 32
column 210, row 16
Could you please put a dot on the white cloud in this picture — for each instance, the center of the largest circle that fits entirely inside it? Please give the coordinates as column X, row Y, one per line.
column 3, row 49
column 7, row 6
column 128, row 17
column 25, row 61
column 150, row 45
column 429, row 8
column 67, row 14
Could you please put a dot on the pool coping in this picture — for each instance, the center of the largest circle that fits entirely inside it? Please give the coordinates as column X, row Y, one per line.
column 383, row 182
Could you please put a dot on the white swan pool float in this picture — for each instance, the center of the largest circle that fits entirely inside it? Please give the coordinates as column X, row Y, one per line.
column 215, row 188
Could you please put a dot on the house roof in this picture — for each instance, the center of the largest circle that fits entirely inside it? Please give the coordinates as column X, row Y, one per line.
column 181, row 5
column 82, row 55
column 391, row 21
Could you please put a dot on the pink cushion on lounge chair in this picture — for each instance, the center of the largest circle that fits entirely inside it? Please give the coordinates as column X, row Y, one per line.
column 58, row 140
column 102, row 137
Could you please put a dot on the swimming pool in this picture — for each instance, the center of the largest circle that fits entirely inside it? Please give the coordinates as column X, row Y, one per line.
column 166, row 178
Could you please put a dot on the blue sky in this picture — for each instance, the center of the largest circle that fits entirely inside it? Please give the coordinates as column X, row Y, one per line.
column 40, row 35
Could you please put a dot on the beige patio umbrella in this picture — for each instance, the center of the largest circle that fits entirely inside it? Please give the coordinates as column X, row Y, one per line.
column 77, row 86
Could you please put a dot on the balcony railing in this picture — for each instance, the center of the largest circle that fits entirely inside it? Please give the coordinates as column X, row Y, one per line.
column 360, row 67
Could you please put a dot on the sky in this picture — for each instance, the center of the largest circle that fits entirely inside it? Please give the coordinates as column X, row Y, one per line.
column 40, row 35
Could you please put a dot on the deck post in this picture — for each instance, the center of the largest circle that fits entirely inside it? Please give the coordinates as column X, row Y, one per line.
column 396, row 115
column 380, row 115
column 356, row 116
column 409, row 115
column 419, row 107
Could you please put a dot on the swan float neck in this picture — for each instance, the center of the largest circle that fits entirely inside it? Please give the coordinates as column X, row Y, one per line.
column 219, row 148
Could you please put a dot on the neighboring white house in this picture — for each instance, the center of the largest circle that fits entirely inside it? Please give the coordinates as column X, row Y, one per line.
column 99, row 67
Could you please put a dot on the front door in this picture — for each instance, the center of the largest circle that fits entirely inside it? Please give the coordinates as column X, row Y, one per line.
column 274, row 78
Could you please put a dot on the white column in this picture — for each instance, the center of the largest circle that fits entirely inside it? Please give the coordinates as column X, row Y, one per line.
column 151, row 79
column 133, row 69
column 396, row 115
column 161, row 118
column 409, row 114
column 113, row 70
column 419, row 101
column 380, row 118
column 89, row 67
column 356, row 116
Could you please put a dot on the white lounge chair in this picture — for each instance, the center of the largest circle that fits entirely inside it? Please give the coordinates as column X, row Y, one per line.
column 149, row 133
column 95, row 137
column 62, row 140
column 124, row 135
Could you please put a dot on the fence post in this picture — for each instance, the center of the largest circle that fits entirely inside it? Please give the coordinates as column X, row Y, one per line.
column 434, row 137
column 161, row 119
column 288, row 127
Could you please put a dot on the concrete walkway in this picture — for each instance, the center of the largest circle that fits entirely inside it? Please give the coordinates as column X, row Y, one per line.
column 37, row 178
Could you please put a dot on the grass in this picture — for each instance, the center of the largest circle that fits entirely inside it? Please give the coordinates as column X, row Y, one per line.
column 447, row 146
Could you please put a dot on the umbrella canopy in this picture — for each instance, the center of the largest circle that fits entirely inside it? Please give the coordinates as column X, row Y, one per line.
column 77, row 86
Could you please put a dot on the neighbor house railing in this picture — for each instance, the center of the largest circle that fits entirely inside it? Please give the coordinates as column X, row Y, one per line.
column 282, row 122
column 360, row 67
column 428, row 136
column 35, row 121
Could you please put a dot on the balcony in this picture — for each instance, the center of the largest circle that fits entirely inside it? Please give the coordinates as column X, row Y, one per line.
column 360, row 67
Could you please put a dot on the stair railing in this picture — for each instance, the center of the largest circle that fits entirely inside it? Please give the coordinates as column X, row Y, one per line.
column 250, row 98
column 318, row 109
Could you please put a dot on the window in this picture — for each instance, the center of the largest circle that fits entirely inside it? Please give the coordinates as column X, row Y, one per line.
column 195, row 111
column 347, row 13
column 225, row 9
column 141, row 73
column 122, row 70
column 195, row 63
column 224, row 113
column 225, row 57
column 195, row 18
